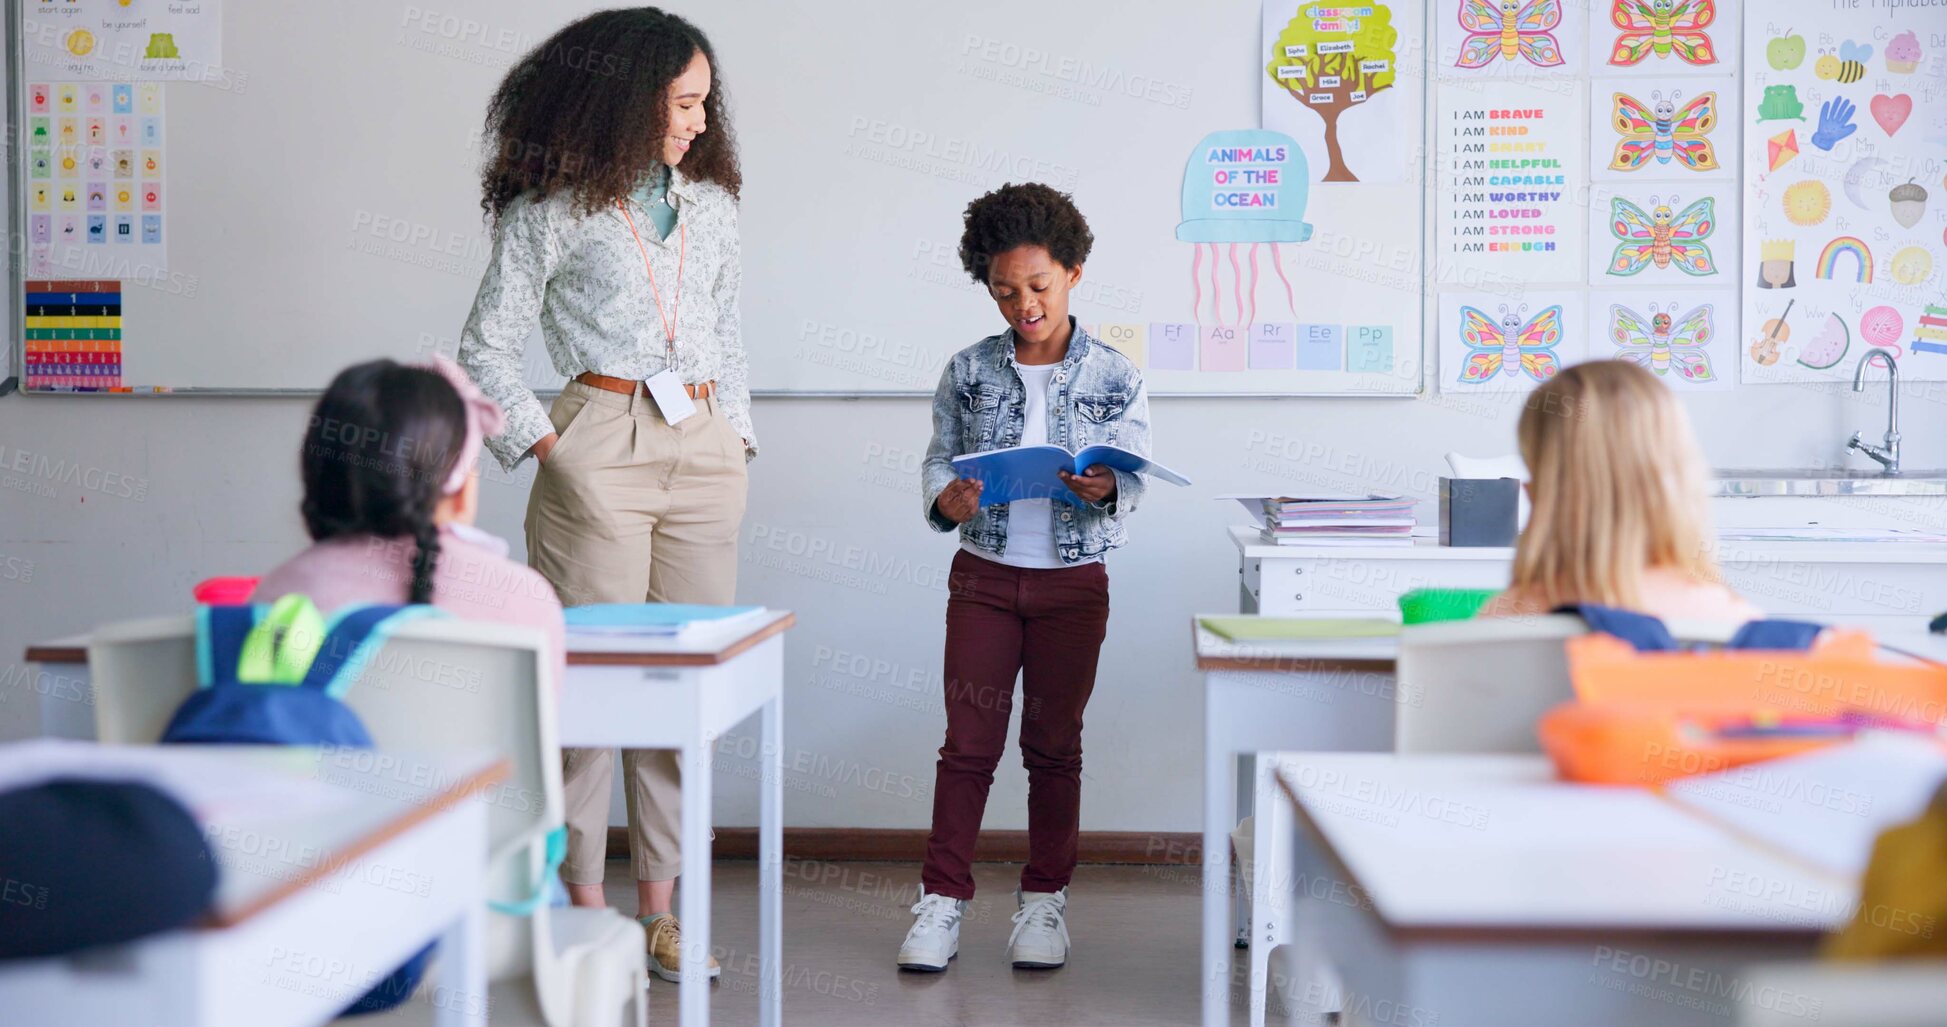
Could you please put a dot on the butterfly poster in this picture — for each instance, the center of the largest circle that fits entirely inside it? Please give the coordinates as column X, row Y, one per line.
column 1664, row 37
column 1663, row 128
column 1668, row 233
column 1518, row 39
column 1686, row 337
column 1512, row 342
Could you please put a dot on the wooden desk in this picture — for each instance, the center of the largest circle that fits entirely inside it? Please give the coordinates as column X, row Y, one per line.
column 1478, row 889
column 633, row 693
column 335, row 868
column 1325, row 694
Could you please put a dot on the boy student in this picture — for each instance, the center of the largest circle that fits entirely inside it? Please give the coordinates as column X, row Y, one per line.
column 1028, row 592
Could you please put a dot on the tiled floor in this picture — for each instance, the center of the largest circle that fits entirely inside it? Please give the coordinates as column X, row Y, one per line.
column 1134, row 962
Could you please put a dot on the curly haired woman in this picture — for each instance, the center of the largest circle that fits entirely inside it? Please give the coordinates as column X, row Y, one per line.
column 612, row 183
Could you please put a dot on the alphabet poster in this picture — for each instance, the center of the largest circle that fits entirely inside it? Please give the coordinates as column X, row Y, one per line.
column 96, row 195
column 1845, row 175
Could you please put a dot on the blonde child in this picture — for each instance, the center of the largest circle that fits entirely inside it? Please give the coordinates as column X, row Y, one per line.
column 1620, row 513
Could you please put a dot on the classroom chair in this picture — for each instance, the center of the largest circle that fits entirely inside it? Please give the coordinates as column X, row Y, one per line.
column 1480, row 685
column 437, row 685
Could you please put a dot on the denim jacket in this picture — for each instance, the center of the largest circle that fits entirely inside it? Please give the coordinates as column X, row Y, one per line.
column 1096, row 397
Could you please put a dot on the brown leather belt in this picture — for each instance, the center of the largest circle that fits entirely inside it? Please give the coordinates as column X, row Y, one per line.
column 627, row 386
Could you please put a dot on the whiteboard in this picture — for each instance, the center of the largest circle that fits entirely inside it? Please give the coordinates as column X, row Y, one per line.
column 323, row 196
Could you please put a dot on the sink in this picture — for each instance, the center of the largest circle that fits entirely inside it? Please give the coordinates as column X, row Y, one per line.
column 1828, row 481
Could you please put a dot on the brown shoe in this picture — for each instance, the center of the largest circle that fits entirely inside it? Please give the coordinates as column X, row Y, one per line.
column 666, row 948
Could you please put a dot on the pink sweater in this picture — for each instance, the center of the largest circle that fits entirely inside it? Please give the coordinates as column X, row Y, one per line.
column 470, row 581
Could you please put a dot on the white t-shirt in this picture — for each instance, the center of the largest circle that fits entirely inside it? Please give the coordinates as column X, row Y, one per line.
column 1031, row 522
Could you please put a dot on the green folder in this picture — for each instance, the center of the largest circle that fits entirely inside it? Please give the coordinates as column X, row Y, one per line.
column 1279, row 629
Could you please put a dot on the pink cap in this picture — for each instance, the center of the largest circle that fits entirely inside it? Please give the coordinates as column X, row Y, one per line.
column 483, row 419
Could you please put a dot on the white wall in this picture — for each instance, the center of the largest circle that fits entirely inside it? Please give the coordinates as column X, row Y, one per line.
column 112, row 508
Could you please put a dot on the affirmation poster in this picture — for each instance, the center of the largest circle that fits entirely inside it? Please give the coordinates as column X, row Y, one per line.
column 84, row 40
column 1511, row 163
column 95, row 197
column 1845, row 174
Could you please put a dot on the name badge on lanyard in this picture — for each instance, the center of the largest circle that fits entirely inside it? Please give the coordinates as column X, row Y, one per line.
column 665, row 387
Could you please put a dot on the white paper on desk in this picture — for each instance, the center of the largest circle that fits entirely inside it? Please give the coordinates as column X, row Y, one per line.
column 1825, row 807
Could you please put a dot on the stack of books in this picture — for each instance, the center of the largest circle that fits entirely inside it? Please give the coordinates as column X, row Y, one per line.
column 1334, row 520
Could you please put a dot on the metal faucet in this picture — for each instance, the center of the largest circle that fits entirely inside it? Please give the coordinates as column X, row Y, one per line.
column 1888, row 455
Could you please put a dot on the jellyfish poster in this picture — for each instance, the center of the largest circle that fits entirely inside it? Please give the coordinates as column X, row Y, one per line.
column 1509, row 342
column 1247, row 188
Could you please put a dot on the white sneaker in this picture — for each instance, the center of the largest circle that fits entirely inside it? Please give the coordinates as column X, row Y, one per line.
column 935, row 937
column 1040, row 938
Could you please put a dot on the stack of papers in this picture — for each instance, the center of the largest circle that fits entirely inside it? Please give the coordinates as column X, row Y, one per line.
column 656, row 620
column 1333, row 520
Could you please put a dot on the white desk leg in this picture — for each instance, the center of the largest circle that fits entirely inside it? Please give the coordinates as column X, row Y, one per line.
column 770, row 868
column 463, row 969
column 1218, row 763
column 695, row 904
column 1240, row 904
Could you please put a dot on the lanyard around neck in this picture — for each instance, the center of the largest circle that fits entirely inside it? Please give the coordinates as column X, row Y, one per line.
column 675, row 305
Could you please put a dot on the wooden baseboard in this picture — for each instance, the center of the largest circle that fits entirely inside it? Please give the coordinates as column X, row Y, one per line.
column 909, row 845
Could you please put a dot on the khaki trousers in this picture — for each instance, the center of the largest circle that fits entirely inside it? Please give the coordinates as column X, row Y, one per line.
column 629, row 508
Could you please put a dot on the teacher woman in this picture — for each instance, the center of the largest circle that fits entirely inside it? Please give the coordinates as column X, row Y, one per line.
column 612, row 183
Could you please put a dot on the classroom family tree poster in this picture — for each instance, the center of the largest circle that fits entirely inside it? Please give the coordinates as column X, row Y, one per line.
column 1845, row 168
column 92, row 40
column 1283, row 224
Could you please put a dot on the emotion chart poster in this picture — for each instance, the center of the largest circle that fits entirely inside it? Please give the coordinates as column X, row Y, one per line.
column 91, row 40
column 96, row 200
column 1845, row 179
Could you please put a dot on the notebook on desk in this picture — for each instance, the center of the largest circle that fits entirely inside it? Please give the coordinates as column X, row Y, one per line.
column 656, row 620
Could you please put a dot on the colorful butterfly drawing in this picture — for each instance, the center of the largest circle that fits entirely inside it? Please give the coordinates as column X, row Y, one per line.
column 1663, row 27
column 1665, row 342
column 1510, row 28
column 1659, row 236
column 1664, row 131
column 1509, row 345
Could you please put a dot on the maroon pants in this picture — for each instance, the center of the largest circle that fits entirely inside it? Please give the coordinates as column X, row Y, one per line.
column 1047, row 626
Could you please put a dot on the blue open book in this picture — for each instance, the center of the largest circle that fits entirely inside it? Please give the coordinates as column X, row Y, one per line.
column 1032, row 472
column 653, row 619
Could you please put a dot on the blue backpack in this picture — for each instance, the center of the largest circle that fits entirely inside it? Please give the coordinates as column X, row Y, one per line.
column 1649, row 634
column 277, row 675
